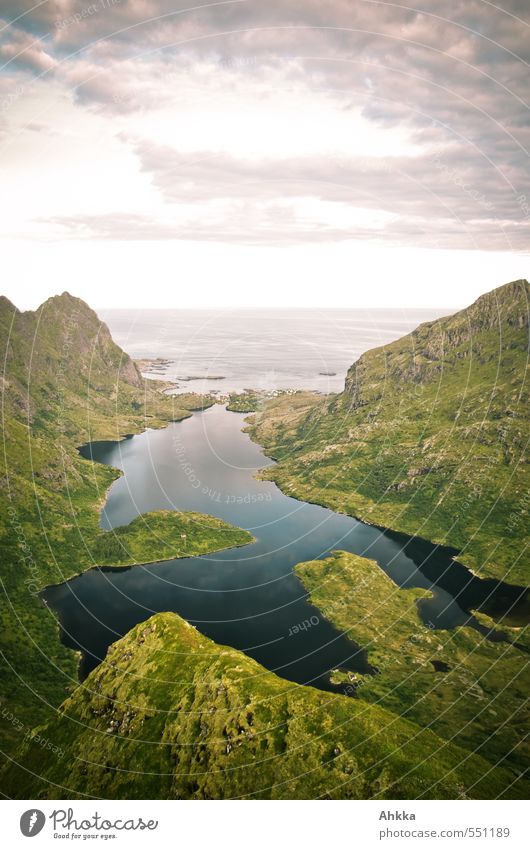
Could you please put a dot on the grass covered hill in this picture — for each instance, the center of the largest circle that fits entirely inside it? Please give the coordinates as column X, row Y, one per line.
column 465, row 687
column 61, row 369
column 172, row 715
column 64, row 382
column 429, row 436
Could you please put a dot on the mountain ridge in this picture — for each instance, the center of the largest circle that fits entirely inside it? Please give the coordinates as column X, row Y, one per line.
column 61, row 346
column 65, row 382
column 426, row 438
column 431, row 340
column 172, row 715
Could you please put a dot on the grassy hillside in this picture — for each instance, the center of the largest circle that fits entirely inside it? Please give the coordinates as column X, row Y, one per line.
column 464, row 687
column 429, row 436
column 173, row 715
column 64, row 382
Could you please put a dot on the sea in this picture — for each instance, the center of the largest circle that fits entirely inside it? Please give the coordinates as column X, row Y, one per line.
column 269, row 350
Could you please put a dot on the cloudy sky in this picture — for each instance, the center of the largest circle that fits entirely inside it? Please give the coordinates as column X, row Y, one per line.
column 264, row 152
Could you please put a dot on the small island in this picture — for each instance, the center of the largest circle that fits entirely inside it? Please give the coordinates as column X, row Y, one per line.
column 202, row 377
column 159, row 364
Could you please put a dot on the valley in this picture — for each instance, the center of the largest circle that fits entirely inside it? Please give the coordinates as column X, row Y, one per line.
column 211, row 560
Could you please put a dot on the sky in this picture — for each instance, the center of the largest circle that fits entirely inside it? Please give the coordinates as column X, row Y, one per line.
column 263, row 153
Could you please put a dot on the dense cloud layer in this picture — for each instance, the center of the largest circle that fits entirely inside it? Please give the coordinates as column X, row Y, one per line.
column 453, row 76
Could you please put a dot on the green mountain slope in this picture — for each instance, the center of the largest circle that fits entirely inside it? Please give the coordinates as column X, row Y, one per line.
column 65, row 382
column 463, row 686
column 429, row 436
column 172, row 715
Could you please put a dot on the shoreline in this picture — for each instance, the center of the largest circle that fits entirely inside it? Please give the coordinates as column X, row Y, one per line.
column 460, row 553
column 454, row 552
column 258, row 475
column 125, row 566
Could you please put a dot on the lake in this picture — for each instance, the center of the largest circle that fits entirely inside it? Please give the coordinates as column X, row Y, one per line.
column 248, row 597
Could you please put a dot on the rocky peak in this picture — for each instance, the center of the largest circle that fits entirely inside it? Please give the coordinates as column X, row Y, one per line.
column 499, row 317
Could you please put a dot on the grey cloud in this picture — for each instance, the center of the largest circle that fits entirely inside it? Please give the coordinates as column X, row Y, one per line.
column 393, row 183
column 460, row 84
column 436, row 200
column 20, row 49
column 412, row 58
column 277, row 226
column 243, row 223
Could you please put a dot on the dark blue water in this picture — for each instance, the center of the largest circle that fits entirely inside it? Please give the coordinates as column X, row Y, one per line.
column 248, row 597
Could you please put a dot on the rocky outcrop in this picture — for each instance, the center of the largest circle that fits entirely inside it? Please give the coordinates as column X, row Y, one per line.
column 421, row 356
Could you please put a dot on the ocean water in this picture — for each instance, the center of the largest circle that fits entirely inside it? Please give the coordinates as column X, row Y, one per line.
column 259, row 349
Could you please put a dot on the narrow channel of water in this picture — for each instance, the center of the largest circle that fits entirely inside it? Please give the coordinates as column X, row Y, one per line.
column 249, row 597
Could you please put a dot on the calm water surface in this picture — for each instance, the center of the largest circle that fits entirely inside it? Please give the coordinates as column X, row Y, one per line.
column 248, row 597
column 261, row 349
